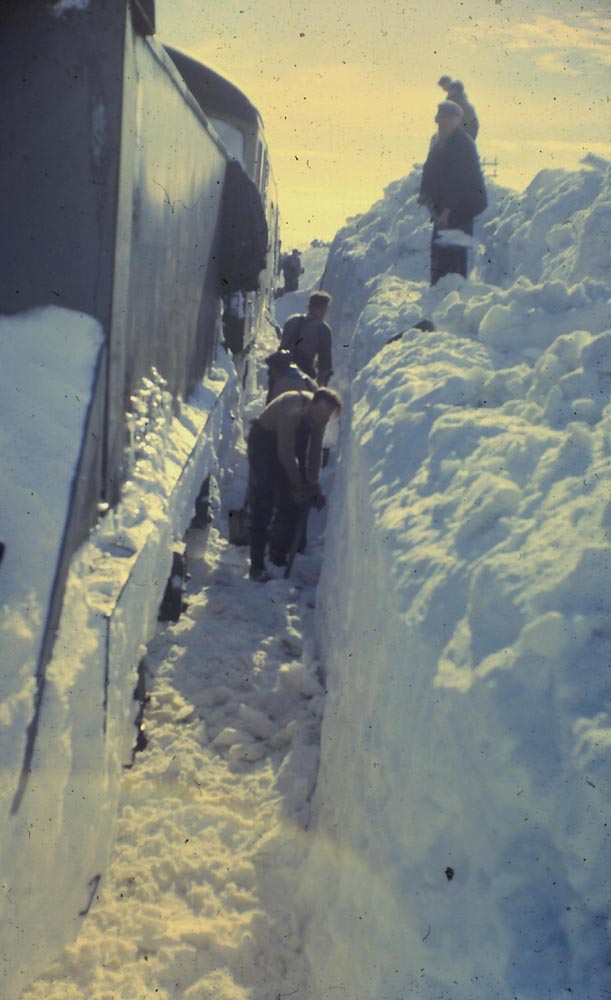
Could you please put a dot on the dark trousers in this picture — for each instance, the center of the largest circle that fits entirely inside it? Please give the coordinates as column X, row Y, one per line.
column 449, row 260
column 273, row 511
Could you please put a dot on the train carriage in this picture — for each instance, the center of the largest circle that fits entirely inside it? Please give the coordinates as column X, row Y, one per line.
column 117, row 210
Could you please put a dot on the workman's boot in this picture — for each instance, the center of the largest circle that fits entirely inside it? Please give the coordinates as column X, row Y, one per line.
column 258, row 572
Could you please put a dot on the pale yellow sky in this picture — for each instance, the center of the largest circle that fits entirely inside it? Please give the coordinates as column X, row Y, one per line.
column 348, row 91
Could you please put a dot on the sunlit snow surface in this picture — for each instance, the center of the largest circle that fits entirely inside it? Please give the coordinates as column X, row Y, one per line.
column 459, row 844
column 464, row 792
column 56, row 836
column 47, row 365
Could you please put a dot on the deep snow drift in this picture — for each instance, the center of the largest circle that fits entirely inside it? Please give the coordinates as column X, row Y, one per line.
column 48, row 362
column 464, row 793
column 58, row 820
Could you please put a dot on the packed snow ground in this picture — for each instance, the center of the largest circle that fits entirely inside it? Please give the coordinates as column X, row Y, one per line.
column 197, row 900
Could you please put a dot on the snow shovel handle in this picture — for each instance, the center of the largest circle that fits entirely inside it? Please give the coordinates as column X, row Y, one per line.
column 302, row 520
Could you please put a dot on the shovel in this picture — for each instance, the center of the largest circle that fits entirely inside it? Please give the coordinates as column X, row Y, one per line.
column 302, row 521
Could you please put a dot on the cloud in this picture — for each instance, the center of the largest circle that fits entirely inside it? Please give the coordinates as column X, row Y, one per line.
column 573, row 46
column 558, row 62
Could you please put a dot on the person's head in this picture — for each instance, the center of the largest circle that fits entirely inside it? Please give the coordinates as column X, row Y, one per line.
column 456, row 89
column 318, row 304
column 444, row 82
column 278, row 362
column 297, row 253
column 448, row 117
column 324, row 403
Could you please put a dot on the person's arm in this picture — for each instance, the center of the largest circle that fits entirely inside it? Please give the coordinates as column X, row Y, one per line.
column 314, row 455
column 285, row 435
column 425, row 196
column 470, row 198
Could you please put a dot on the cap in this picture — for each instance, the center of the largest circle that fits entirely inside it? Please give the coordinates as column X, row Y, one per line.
column 450, row 108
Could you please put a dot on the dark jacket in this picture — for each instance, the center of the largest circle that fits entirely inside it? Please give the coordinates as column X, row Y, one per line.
column 469, row 120
column 308, row 339
column 291, row 379
column 291, row 266
column 452, row 178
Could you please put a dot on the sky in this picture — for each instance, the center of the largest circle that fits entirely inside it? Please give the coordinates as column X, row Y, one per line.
column 348, row 90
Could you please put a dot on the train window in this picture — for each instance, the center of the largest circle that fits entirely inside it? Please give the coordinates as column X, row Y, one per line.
column 259, row 165
column 265, row 178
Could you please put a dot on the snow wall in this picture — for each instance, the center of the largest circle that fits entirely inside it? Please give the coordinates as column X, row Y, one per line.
column 55, row 846
column 463, row 803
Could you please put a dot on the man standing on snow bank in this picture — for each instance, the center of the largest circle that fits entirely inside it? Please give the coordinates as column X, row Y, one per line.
column 284, row 455
column 455, row 91
column 470, row 123
column 309, row 339
column 453, row 189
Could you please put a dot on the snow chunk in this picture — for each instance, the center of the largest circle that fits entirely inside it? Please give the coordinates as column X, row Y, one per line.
column 256, row 723
column 298, row 678
column 229, row 735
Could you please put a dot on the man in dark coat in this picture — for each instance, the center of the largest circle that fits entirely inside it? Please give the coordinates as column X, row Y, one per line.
column 309, row 339
column 470, row 123
column 283, row 375
column 292, row 270
column 453, row 190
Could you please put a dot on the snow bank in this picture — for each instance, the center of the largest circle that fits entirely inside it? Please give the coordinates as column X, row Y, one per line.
column 54, row 849
column 557, row 229
column 464, row 791
column 46, row 377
